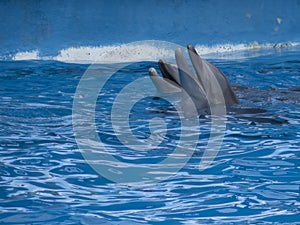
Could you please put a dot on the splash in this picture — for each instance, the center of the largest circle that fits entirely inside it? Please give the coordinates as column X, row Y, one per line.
column 149, row 51
column 28, row 55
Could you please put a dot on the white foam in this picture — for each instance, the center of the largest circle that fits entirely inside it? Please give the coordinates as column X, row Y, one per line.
column 133, row 52
column 149, row 51
column 29, row 55
column 217, row 49
column 238, row 51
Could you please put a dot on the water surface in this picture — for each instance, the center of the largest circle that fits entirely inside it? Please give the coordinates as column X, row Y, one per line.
column 254, row 178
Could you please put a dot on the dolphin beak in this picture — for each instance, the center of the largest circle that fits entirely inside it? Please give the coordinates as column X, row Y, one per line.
column 162, row 85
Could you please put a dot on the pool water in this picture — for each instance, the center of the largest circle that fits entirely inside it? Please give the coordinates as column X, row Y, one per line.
column 44, row 178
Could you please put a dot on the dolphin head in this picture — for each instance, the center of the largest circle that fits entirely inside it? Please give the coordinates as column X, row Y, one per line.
column 207, row 88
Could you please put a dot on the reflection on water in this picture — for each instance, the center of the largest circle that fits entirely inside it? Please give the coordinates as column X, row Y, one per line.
column 254, row 178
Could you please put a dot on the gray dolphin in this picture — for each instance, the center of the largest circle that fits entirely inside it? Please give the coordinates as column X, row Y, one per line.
column 206, row 72
column 208, row 88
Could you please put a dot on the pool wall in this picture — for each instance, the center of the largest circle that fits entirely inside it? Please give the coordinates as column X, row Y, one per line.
column 49, row 26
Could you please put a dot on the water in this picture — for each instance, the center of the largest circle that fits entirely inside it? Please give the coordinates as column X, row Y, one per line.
column 254, row 178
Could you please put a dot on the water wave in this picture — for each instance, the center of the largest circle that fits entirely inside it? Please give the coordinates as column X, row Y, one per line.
column 148, row 51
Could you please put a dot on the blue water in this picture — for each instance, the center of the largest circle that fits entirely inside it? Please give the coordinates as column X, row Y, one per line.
column 44, row 178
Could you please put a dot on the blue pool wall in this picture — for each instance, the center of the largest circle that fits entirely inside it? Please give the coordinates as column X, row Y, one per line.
column 49, row 26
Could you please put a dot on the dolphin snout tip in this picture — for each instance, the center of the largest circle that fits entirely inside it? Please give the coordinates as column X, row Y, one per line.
column 161, row 61
column 152, row 71
column 190, row 47
column 178, row 51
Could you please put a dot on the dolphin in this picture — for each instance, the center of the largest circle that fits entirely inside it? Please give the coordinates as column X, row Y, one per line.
column 208, row 88
column 206, row 72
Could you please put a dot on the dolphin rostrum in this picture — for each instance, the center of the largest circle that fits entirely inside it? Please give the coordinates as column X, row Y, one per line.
column 208, row 88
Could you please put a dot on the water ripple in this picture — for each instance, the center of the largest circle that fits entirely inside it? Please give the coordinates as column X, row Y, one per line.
column 45, row 179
